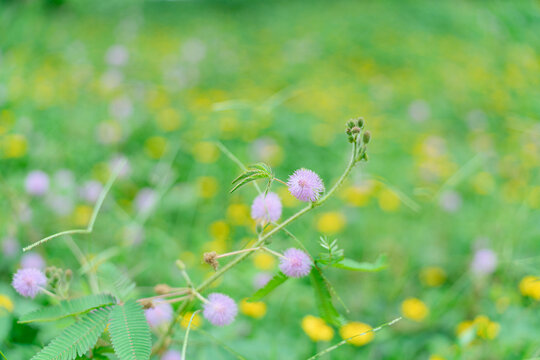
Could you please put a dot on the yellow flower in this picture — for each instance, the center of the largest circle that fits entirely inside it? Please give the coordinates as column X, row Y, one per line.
column 286, row 198
column 436, row 357
column 264, row 261
column 530, row 286
column 388, row 200
column 317, row 329
column 485, row 328
column 238, row 214
column 168, row 119
column 220, row 229
column 155, row 146
column 255, row 309
column 331, row 222
column 432, row 276
column 6, row 303
column 207, row 186
column 463, row 327
column 414, row 309
column 14, row 146
column 533, row 198
column 82, row 214
column 196, row 322
column 205, row 152
column 356, row 328
column 356, row 195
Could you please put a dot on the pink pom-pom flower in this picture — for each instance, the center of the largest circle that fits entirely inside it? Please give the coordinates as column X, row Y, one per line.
column 171, row 355
column 295, row 263
column 220, row 309
column 28, row 282
column 267, row 208
column 161, row 313
column 32, row 260
column 37, row 183
column 305, row 185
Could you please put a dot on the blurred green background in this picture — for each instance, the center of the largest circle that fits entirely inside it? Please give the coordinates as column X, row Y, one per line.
column 451, row 192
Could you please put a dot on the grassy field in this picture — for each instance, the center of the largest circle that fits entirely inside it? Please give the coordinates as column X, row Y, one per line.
column 451, row 192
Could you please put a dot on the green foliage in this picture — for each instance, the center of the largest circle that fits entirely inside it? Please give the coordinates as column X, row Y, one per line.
column 254, row 172
column 68, row 308
column 380, row 264
column 323, row 297
column 78, row 338
column 277, row 280
column 130, row 333
column 333, row 253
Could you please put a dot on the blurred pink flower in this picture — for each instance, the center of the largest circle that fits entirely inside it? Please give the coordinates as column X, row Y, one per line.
column 37, row 183
column 32, row 260
column 90, row 191
column 220, row 310
column 484, row 262
column 161, row 313
column 28, row 282
column 267, row 208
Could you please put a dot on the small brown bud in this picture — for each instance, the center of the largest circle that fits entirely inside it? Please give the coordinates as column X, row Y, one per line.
column 147, row 304
column 162, row 289
column 211, row 259
column 356, row 130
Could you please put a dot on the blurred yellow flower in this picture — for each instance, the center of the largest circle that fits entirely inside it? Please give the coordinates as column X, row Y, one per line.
column 13, row 146
column 101, row 172
column 255, row 309
column 356, row 328
column 168, row 119
column 485, row 328
column 220, row 229
column 155, row 146
column 331, row 222
column 7, row 119
column 463, row 326
column 195, row 323
column 388, row 200
column 317, row 329
column 6, row 303
column 207, row 186
column 238, row 214
column 436, row 357
column 286, row 198
column 533, row 198
column 82, row 214
column 157, row 99
column 323, row 134
column 530, row 286
column 483, row 183
column 356, row 195
column 217, row 245
column 432, row 276
column 228, row 126
column 205, row 152
column 414, row 309
column 264, row 261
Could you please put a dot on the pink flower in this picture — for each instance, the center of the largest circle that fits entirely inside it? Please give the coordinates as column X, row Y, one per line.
column 305, row 185
column 161, row 313
column 37, row 183
column 484, row 262
column 261, row 279
column 171, row 355
column 220, row 310
column 295, row 263
column 10, row 246
column 267, row 208
column 145, row 200
column 32, row 260
column 28, row 282
column 90, row 191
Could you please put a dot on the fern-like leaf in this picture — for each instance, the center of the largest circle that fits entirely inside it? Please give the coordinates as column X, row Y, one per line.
column 78, row 338
column 323, row 297
column 68, row 308
column 277, row 280
column 130, row 333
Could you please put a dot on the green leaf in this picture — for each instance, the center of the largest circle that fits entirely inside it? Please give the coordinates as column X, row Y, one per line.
column 78, row 338
column 254, row 172
column 130, row 333
column 323, row 298
column 68, row 308
column 349, row 264
column 277, row 280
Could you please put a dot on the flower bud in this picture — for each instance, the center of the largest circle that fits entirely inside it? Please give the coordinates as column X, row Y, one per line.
column 356, row 130
column 360, row 122
column 162, row 289
column 367, row 137
column 350, row 124
column 211, row 259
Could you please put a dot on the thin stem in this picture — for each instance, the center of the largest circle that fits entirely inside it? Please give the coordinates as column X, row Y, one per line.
column 272, row 252
column 47, row 292
column 175, row 300
column 184, row 346
column 95, row 212
column 231, row 156
column 202, row 298
column 174, row 293
column 281, row 181
column 236, row 252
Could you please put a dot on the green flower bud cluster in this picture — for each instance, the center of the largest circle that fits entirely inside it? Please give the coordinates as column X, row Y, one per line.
column 357, row 135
